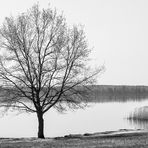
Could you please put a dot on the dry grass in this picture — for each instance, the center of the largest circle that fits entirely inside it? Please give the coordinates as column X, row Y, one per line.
column 140, row 114
column 132, row 140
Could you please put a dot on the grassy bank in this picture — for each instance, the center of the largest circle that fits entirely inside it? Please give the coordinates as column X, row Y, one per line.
column 106, row 140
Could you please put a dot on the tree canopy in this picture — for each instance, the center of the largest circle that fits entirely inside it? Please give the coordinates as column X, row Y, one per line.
column 43, row 63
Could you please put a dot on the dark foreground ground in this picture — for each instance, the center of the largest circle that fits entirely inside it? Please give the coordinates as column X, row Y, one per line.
column 122, row 139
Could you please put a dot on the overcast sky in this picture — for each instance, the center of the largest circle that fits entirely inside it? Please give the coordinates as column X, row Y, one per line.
column 116, row 29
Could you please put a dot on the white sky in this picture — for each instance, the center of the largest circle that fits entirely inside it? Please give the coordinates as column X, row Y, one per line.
column 116, row 29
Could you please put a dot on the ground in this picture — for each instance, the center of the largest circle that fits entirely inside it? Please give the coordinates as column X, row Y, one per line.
column 122, row 139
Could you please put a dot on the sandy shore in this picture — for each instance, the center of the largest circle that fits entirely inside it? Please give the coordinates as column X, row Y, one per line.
column 111, row 139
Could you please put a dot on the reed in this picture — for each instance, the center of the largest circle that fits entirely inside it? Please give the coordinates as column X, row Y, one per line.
column 139, row 114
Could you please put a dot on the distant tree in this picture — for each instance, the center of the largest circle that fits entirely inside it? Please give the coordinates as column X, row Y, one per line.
column 43, row 63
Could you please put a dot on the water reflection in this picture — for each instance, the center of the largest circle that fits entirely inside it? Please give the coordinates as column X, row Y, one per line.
column 139, row 124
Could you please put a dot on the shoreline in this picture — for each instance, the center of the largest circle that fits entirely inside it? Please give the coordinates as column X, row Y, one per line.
column 118, row 133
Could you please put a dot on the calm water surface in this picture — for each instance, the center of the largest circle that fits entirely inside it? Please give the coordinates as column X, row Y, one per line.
column 98, row 117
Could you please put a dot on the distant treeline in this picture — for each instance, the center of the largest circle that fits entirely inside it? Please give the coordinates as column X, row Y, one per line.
column 99, row 93
column 119, row 93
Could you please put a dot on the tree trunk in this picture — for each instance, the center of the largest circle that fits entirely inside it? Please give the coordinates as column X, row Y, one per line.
column 40, row 125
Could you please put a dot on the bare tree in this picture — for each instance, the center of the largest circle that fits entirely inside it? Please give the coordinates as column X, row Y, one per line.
column 43, row 63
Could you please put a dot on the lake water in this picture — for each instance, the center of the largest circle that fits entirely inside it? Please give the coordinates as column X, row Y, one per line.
column 98, row 117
